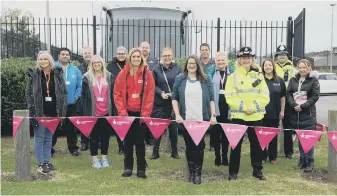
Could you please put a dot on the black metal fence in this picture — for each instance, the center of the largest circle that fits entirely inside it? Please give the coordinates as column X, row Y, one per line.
column 25, row 37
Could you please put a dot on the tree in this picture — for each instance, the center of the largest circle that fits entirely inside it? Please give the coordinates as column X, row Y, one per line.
column 19, row 38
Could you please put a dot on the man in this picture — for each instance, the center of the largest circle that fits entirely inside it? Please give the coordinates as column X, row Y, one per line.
column 114, row 67
column 73, row 80
column 209, row 68
column 285, row 70
column 145, row 48
column 87, row 54
column 207, row 63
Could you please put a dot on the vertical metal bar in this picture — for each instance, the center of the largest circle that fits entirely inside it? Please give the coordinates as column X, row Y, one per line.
column 165, row 35
column 55, row 22
column 88, row 31
column 23, row 42
column 246, row 33
column 235, row 35
column 271, row 42
column 240, row 34
column 256, row 37
column 175, row 39
column 77, row 33
column 159, row 46
column 170, row 45
column 261, row 43
column 282, row 33
column 230, row 36
column 206, row 27
column 94, row 35
column 61, row 32
column 123, row 32
column 82, row 32
column 196, row 36
column 133, row 33
column 225, row 36
column 139, row 31
column 251, row 34
column 201, row 31
column 28, row 33
column 218, row 35
column 66, row 32
column 117, row 36
column 12, row 30
column 154, row 35
column 266, row 39
column 7, row 40
column 211, row 37
column 144, row 29
column 128, row 33
column 276, row 34
column 40, row 34
column 150, row 37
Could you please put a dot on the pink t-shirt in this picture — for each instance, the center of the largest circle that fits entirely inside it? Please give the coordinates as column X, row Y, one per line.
column 101, row 107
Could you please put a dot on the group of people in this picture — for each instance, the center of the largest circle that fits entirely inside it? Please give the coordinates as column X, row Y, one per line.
column 134, row 84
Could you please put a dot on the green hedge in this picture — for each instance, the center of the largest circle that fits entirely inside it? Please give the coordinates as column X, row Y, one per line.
column 13, row 85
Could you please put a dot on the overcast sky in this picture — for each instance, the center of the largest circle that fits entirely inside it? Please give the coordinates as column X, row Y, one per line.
column 318, row 13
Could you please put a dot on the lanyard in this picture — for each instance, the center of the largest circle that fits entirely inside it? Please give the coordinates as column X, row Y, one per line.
column 222, row 79
column 65, row 69
column 99, row 86
column 166, row 79
column 119, row 67
column 47, row 83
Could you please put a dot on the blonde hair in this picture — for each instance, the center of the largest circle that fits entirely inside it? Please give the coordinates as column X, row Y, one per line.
column 165, row 50
column 306, row 62
column 92, row 73
column 221, row 53
column 49, row 57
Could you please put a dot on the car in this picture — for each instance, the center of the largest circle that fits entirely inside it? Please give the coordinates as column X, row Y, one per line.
column 328, row 83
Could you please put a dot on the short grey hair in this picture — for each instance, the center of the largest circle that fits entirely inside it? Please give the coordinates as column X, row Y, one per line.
column 121, row 48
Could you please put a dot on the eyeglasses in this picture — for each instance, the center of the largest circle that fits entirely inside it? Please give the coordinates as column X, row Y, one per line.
column 167, row 56
column 191, row 63
column 121, row 53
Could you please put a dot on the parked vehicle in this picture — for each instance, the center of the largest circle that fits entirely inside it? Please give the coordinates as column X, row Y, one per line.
column 328, row 83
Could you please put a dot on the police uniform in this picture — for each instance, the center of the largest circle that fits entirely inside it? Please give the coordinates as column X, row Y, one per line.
column 247, row 90
column 286, row 71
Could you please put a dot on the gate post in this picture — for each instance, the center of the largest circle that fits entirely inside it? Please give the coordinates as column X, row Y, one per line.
column 94, row 36
column 290, row 35
column 332, row 155
column 218, row 35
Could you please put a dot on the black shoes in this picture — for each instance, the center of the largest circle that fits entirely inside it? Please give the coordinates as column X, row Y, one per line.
column 141, row 174
column 309, row 166
column 43, row 169
column 259, row 175
column 127, row 173
column 232, row 176
column 75, row 153
column 155, row 155
column 84, row 147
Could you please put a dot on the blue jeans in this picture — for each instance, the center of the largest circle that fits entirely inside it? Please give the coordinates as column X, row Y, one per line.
column 42, row 144
column 310, row 153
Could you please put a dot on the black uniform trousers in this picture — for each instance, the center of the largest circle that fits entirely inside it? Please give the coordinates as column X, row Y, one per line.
column 69, row 129
column 272, row 147
column 288, row 134
column 135, row 137
column 256, row 153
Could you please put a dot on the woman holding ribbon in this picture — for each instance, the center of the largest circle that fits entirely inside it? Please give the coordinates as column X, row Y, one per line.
column 193, row 99
column 46, row 96
column 97, row 100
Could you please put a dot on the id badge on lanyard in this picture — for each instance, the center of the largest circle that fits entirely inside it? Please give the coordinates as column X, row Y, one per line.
column 222, row 80
column 66, row 76
column 100, row 98
column 300, row 97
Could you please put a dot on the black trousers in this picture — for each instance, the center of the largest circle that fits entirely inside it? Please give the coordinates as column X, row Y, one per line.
column 256, row 154
column 100, row 134
column 69, row 129
column 173, row 134
column 272, row 147
column 219, row 137
column 84, row 139
column 135, row 137
column 288, row 137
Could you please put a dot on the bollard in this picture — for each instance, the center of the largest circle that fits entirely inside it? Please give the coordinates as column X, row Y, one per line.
column 332, row 158
column 22, row 148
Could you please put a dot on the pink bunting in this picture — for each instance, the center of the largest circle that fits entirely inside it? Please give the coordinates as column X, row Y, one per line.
column 308, row 138
column 157, row 126
column 49, row 123
column 16, row 123
column 265, row 135
column 121, row 125
column 196, row 129
column 234, row 133
column 84, row 124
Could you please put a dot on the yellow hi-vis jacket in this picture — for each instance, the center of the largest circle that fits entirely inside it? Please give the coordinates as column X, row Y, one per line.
column 240, row 94
column 287, row 69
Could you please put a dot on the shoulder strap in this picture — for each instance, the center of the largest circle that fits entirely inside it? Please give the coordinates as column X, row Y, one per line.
column 165, row 78
column 142, row 91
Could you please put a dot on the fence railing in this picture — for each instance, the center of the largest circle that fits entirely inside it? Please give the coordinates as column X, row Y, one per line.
column 23, row 37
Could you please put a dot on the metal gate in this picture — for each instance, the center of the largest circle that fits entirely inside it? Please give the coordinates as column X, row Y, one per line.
column 298, row 38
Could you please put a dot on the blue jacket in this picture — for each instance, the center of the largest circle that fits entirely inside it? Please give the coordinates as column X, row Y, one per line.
column 74, row 87
column 178, row 94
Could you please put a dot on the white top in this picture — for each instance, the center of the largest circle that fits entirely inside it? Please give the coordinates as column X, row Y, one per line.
column 193, row 101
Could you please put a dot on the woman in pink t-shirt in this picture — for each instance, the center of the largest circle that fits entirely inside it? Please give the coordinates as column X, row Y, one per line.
column 97, row 100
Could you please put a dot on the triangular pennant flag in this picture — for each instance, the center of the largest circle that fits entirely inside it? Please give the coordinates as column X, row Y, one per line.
column 196, row 130
column 333, row 139
column 84, row 124
column 157, row 126
column 265, row 135
column 121, row 125
column 308, row 138
column 234, row 133
column 49, row 123
column 16, row 123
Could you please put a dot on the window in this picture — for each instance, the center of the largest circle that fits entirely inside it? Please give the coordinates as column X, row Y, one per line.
column 331, row 77
column 322, row 77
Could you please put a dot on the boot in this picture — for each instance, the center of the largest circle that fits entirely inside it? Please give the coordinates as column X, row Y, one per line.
column 141, row 162
column 310, row 165
column 224, row 161
column 224, row 155
column 128, row 166
column 232, row 176
column 302, row 163
column 141, row 174
column 174, row 153
column 190, row 164
column 155, row 152
column 257, row 173
column 199, row 157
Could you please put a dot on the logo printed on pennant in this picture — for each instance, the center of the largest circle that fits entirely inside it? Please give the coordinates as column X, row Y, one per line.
column 308, row 138
column 265, row 135
column 121, row 125
column 84, row 124
column 16, row 123
column 333, row 139
column 196, row 130
column 49, row 123
column 234, row 133
column 157, row 126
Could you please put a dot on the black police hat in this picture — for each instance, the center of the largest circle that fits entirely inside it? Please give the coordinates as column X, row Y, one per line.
column 245, row 52
column 281, row 49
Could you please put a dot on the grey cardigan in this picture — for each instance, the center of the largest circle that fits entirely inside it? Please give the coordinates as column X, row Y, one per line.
column 178, row 94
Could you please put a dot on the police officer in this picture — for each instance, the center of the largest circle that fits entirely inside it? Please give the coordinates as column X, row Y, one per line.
column 247, row 95
column 285, row 70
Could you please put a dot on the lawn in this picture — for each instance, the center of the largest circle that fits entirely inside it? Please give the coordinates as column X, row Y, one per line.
column 74, row 175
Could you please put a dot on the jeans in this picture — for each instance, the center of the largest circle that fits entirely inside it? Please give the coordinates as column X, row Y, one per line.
column 42, row 144
column 310, row 153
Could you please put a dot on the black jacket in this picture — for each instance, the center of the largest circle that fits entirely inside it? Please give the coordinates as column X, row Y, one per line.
column 83, row 68
column 87, row 103
column 152, row 62
column 163, row 107
column 306, row 119
column 34, row 96
column 114, row 68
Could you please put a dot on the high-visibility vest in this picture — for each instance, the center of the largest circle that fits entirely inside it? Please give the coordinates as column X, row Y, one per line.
column 241, row 94
column 286, row 72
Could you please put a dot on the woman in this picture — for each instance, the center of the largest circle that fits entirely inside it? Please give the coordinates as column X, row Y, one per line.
column 114, row 67
column 164, row 76
column 96, row 100
column 247, row 95
column 134, row 96
column 302, row 94
column 46, row 96
column 223, row 70
column 193, row 99
column 275, row 108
